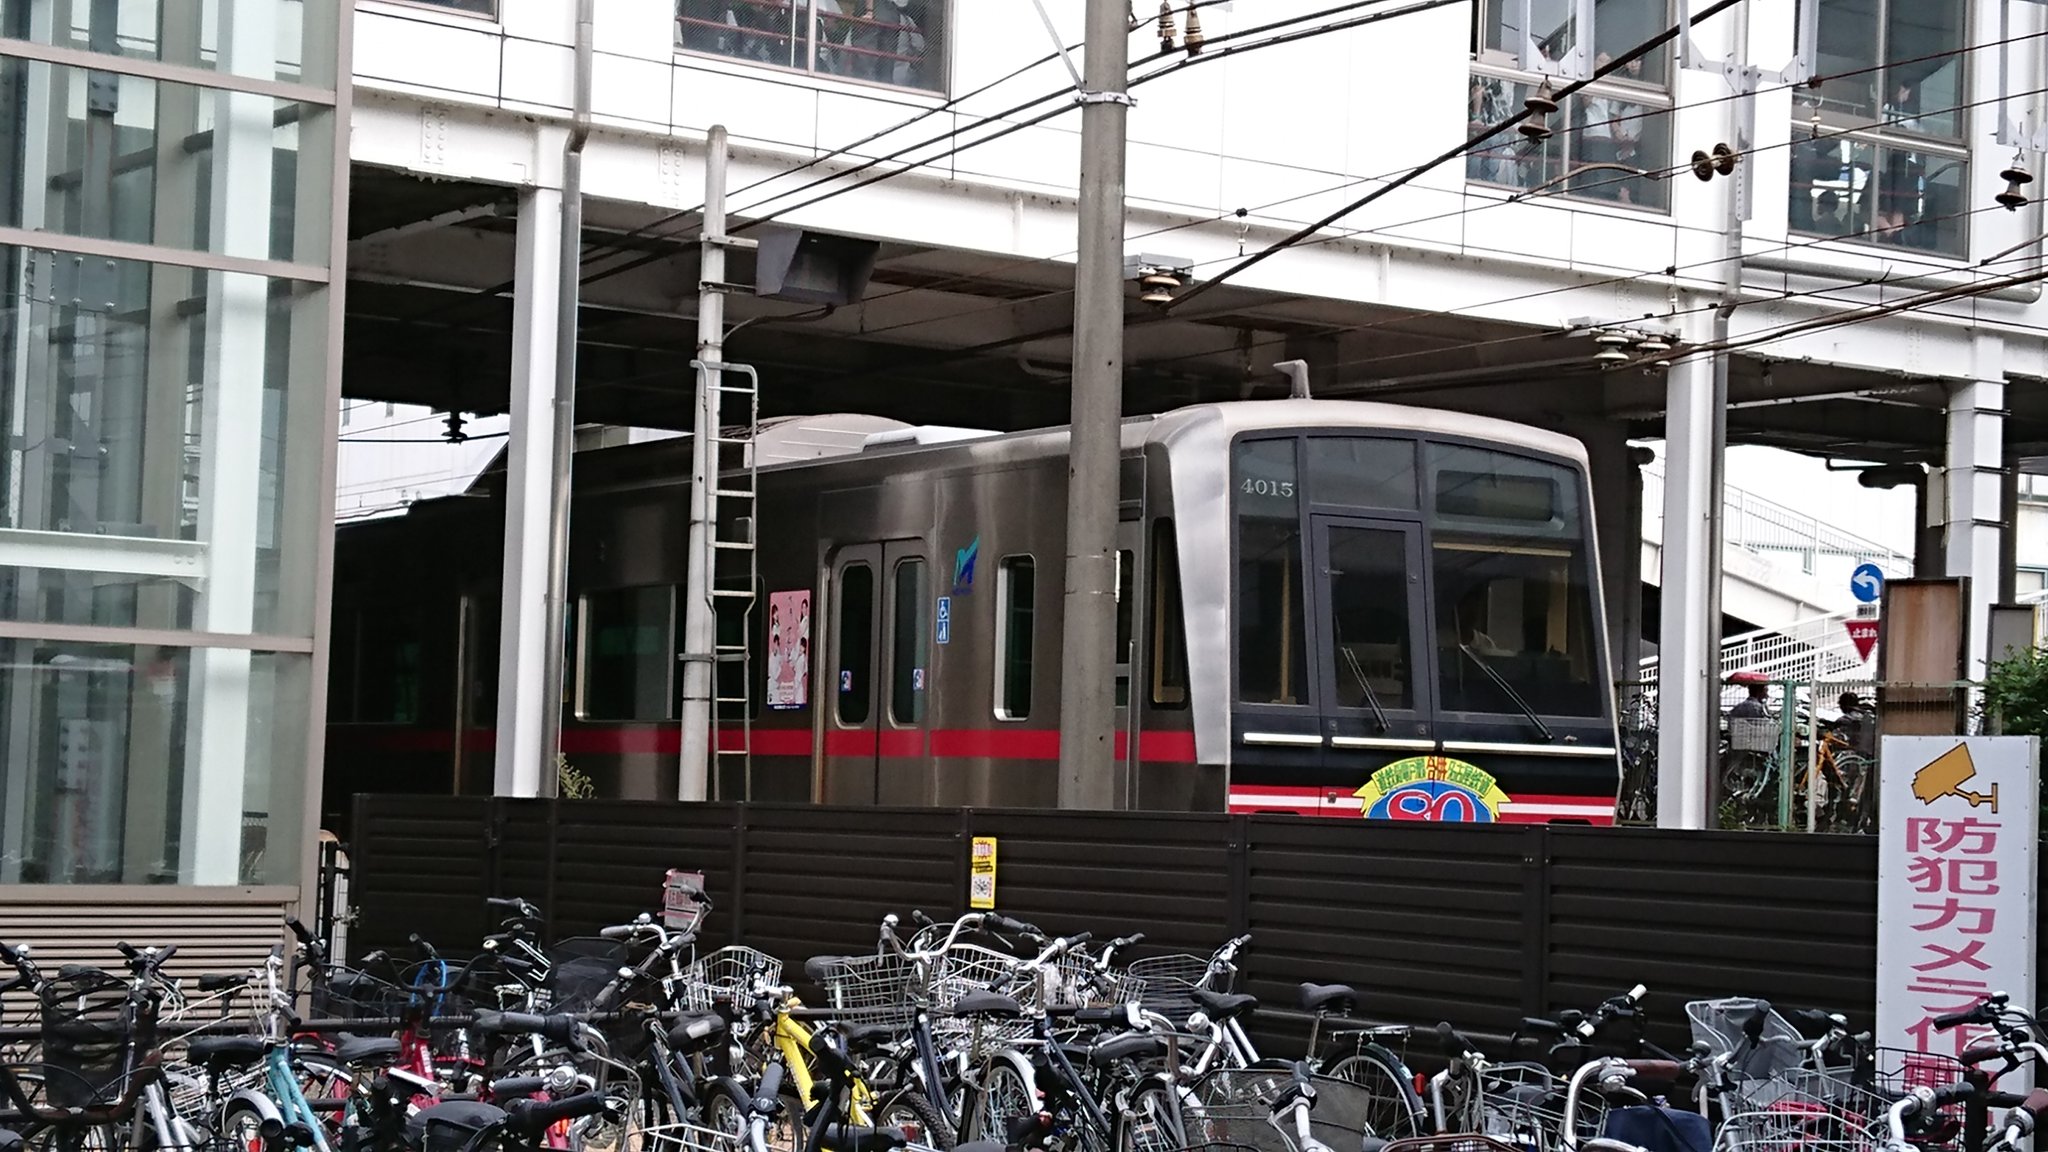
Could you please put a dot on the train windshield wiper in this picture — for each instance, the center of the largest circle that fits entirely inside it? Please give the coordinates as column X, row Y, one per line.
column 1508, row 690
column 1372, row 699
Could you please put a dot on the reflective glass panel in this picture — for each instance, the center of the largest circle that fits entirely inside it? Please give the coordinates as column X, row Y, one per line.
column 129, row 765
column 160, row 416
column 289, row 40
column 87, row 153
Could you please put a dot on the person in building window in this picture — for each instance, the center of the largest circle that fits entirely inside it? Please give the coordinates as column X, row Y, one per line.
column 1493, row 162
column 1611, row 135
column 1898, row 186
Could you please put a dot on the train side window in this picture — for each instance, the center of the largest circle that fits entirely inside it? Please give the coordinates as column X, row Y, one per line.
column 389, row 667
column 1272, row 656
column 1016, row 602
column 906, row 659
column 856, row 647
column 627, row 637
column 1169, row 631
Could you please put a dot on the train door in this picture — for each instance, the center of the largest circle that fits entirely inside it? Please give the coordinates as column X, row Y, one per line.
column 880, row 631
column 1369, row 597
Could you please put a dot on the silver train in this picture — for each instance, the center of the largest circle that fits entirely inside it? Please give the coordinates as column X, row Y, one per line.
column 1326, row 608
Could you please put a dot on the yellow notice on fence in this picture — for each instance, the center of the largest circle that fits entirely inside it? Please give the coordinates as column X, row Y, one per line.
column 981, row 873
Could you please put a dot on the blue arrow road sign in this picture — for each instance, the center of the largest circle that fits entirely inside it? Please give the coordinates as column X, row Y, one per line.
column 1866, row 583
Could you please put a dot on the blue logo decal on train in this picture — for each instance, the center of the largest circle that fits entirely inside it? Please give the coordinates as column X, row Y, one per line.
column 1432, row 788
column 963, row 567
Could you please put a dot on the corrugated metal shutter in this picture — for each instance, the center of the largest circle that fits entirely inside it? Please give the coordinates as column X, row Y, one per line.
column 215, row 929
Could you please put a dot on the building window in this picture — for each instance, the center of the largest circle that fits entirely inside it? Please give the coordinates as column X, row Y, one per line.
column 896, row 42
column 1610, row 141
column 628, row 638
column 1877, row 151
column 474, row 7
column 906, row 656
column 1016, row 595
column 1169, row 631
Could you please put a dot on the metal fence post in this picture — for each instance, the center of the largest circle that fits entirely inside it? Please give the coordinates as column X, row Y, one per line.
column 739, row 871
column 1238, row 847
column 1536, row 920
column 1788, row 720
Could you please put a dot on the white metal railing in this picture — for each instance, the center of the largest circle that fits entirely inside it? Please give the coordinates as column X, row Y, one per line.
column 1772, row 530
column 1818, row 647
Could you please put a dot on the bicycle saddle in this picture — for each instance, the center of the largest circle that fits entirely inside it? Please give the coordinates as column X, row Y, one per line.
column 1338, row 998
column 367, row 1050
column 992, row 1004
column 218, row 1052
column 818, row 969
column 1129, row 1046
column 1221, row 1006
column 697, row 1033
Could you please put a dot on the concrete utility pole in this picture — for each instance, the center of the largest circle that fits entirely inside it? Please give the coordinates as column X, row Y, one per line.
column 700, row 635
column 568, row 298
column 1087, row 706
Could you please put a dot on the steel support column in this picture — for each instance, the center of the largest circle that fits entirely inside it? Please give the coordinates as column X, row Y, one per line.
column 1974, row 483
column 1685, row 700
column 522, row 644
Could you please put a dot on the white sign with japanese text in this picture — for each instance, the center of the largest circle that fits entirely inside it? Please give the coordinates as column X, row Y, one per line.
column 1958, row 838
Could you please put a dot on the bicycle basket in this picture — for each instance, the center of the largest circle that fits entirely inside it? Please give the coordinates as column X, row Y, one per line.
column 450, row 1126
column 92, row 1035
column 867, row 989
column 720, row 975
column 1170, row 982
column 348, row 994
column 1235, row 1106
column 1074, row 979
column 1523, row 1105
column 579, row 968
column 1752, row 734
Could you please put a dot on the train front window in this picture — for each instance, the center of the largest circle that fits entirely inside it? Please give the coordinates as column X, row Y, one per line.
column 1514, row 602
column 1366, row 570
column 1272, row 661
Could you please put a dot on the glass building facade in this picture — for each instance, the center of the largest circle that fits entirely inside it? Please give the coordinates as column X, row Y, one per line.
column 171, row 193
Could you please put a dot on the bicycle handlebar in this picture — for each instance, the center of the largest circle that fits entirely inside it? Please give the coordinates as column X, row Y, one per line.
column 562, row 1028
column 533, row 1116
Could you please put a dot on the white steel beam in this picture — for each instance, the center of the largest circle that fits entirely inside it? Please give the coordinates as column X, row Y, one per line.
column 1684, row 698
column 183, row 560
column 222, row 727
column 1973, row 488
column 522, row 690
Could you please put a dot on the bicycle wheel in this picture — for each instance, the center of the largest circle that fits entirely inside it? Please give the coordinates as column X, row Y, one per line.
column 1389, row 1108
column 909, row 1109
column 1150, row 1121
column 1006, row 1092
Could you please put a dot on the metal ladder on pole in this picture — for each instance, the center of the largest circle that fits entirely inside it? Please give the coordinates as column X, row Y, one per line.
column 735, row 556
